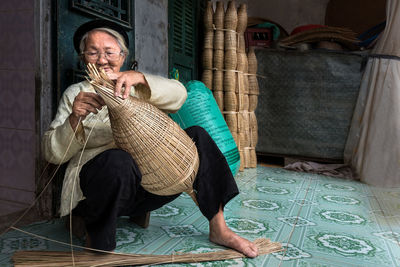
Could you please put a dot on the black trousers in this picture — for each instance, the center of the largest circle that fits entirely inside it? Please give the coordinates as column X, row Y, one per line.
column 111, row 185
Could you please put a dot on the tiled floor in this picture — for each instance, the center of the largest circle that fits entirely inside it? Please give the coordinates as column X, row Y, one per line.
column 322, row 221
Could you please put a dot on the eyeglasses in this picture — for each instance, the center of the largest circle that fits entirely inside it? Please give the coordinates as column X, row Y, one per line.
column 110, row 56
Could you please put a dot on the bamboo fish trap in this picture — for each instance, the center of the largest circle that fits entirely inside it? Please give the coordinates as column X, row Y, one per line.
column 81, row 259
column 164, row 153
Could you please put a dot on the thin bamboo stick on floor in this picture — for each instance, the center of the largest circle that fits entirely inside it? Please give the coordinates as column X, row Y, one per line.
column 83, row 259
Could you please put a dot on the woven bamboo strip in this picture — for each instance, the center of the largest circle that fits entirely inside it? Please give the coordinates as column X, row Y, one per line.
column 84, row 259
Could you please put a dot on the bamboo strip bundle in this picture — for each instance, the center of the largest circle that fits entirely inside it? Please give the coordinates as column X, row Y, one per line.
column 164, row 153
column 85, row 259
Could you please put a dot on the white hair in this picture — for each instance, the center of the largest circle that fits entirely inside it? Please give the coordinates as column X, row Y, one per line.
column 118, row 37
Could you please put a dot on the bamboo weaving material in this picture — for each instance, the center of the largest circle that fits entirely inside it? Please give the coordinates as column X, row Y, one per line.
column 82, row 259
column 164, row 153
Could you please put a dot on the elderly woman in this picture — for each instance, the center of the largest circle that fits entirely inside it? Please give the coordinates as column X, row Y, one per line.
column 102, row 182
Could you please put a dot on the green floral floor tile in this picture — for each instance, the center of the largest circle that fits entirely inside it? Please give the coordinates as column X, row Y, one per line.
column 321, row 221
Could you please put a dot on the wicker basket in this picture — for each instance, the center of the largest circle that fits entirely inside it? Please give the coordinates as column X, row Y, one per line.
column 208, row 16
column 230, row 40
column 218, row 59
column 207, row 59
column 207, row 78
column 164, row 153
column 218, row 42
column 231, row 121
column 252, row 61
column 219, row 15
column 231, row 17
column 253, row 101
column 219, row 98
column 230, row 59
column 217, row 80
column 209, row 39
column 230, row 81
column 242, row 18
column 230, row 101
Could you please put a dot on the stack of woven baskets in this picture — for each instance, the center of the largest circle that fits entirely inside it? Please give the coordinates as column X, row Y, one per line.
column 231, row 74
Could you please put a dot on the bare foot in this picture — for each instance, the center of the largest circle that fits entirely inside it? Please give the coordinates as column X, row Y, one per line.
column 222, row 235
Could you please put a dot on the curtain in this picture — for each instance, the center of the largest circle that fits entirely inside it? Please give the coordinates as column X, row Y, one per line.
column 373, row 144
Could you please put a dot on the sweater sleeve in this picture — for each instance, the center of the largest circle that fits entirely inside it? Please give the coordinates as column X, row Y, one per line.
column 166, row 94
column 60, row 143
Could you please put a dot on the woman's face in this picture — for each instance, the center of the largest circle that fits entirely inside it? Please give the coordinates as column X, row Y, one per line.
column 102, row 49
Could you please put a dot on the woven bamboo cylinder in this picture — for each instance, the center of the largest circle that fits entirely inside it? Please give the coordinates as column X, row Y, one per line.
column 230, row 101
column 208, row 16
column 231, row 16
column 209, row 39
column 242, row 44
column 246, row 156
column 240, row 85
column 253, row 84
column 242, row 140
column 207, row 59
column 252, row 59
column 229, row 81
column 240, row 123
column 241, row 61
column 242, row 18
column 230, row 59
column 246, row 129
column 230, row 40
column 219, row 98
column 218, row 59
column 207, row 78
column 218, row 42
column 165, row 154
column 219, row 15
column 253, row 101
column 253, row 158
column 241, row 167
column 231, row 121
column 217, row 80
column 253, row 129
column 240, row 102
column 245, row 102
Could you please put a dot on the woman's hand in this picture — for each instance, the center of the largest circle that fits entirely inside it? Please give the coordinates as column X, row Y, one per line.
column 85, row 103
column 127, row 79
